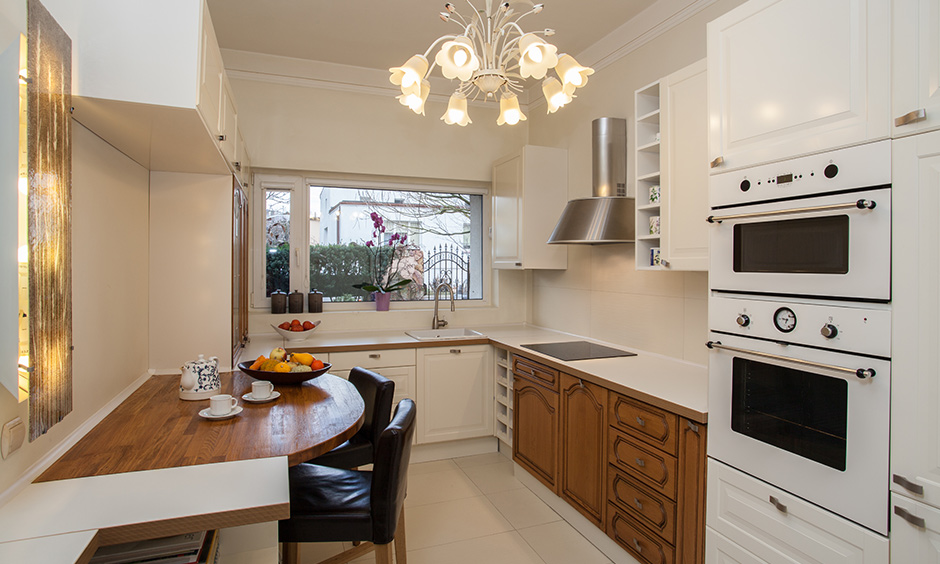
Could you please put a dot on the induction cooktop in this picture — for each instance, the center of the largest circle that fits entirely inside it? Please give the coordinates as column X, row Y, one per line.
column 577, row 350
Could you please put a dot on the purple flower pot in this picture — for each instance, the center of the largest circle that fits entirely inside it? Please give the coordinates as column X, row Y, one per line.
column 381, row 300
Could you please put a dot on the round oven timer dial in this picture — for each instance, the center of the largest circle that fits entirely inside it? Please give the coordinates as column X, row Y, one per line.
column 785, row 320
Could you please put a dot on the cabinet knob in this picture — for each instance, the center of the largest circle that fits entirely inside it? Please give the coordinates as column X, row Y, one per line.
column 636, row 545
column 641, row 463
column 455, row 351
column 664, row 263
column 776, row 503
column 237, row 165
column 221, row 138
column 908, row 485
column 640, row 422
column 638, row 504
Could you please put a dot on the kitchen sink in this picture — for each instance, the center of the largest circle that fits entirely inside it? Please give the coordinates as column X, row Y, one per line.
column 444, row 334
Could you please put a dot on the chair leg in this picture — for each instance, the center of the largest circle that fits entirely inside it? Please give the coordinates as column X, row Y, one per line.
column 401, row 548
column 383, row 553
column 289, row 553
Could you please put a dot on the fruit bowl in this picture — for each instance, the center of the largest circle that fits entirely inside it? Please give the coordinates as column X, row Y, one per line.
column 283, row 377
column 296, row 335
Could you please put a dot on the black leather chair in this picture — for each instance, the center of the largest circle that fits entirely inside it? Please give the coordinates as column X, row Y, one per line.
column 377, row 392
column 339, row 505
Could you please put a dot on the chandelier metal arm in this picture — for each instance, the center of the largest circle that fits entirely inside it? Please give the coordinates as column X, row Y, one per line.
column 433, row 45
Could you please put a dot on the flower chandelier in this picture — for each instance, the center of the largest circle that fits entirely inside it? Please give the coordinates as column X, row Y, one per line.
column 492, row 55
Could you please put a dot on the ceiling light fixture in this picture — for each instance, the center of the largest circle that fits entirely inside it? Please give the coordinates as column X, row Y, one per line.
column 491, row 56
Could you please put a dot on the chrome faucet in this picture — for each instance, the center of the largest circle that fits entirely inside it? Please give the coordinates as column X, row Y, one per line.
column 437, row 323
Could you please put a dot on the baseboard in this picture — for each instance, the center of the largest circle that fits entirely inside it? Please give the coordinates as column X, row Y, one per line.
column 69, row 441
column 453, row 449
column 587, row 529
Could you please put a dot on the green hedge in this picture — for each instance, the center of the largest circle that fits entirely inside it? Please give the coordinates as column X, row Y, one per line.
column 333, row 270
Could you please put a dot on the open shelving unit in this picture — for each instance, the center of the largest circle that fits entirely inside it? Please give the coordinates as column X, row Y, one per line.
column 647, row 168
column 504, row 398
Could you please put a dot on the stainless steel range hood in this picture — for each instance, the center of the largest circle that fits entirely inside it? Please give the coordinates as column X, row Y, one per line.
column 608, row 217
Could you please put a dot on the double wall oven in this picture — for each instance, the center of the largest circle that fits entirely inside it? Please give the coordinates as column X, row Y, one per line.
column 800, row 327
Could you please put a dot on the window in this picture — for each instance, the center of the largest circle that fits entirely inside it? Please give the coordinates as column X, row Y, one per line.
column 429, row 236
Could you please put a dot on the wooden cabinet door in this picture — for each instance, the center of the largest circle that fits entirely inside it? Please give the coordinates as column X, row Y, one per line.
column 583, row 447
column 690, row 530
column 454, row 393
column 684, row 162
column 915, row 347
column 507, row 214
column 915, row 66
column 535, row 430
column 792, row 77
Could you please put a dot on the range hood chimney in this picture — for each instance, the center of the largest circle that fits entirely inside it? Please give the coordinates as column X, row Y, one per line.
column 608, row 217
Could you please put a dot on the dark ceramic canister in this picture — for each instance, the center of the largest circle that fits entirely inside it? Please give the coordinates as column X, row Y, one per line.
column 315, row 302
column 278, row 302
column 295, row 302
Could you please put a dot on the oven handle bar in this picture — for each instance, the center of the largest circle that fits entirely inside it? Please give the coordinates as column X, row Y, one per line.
column 860, row 204
column 861, row 373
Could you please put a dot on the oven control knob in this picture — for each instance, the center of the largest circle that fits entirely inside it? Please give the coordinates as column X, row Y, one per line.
column 745, row 185
column 829, row 331
column 831, row 171
column 743, row 320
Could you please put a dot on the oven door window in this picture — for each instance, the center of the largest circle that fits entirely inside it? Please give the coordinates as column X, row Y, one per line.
column 815, row 245
column 800, row 412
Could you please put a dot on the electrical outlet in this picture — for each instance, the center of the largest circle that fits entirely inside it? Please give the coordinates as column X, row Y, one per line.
column 12, row 437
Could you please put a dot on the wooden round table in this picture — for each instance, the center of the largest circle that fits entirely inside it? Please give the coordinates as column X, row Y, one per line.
column 153, row 428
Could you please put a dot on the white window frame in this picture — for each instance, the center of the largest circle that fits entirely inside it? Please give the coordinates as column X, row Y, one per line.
column 298, row 185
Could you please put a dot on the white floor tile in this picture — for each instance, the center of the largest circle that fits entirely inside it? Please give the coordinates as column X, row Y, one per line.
column 560, row 543
column 435, row 487
column 435, row 466
column 503, row 548
column 452, row 521
column 522, row 508
column 481, row 459
column 491, row 478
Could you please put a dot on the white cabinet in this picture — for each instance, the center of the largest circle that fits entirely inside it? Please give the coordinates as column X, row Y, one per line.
column 454, row 393
column 793, row 77
column 915, row 388
column 672, row 172
column 530, row 189
column 751, row 521
column 398, row 365
column 915, row 69
column 211, row 70
column 915, row 531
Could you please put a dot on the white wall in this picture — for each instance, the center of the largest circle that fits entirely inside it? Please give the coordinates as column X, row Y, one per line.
column 109, row 290
column 190, row 269
column 601, row 295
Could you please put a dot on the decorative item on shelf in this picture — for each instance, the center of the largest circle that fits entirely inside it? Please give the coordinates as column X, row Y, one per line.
column 295, row 302
column 654, row 225
column 490, row 55
column 654, row 194
column 655, row 259
column 385, row 264
column 278, row 302
column 199, row 379
column 315, row 301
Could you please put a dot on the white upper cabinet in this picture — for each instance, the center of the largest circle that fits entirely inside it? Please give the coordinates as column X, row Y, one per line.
column 684, row 163
column 915, row 347
column 793, row 77
column 915, row 66
column 530, row 189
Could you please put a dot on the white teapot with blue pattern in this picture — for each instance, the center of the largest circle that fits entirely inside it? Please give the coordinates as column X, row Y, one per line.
column 200, row 379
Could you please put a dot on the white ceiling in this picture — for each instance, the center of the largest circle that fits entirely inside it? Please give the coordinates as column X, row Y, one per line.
column 383, row 33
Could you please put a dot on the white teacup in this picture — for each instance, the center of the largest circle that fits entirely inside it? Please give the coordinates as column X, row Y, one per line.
column 222, row 404
column 261, row 389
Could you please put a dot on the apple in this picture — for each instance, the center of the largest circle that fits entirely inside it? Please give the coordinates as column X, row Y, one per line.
column 295, row 323
column 278, row 354
column 308, row 325
column 297, row 328
column 285, row 325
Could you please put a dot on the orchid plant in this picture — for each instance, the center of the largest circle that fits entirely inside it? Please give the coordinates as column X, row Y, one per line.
column 385, row 259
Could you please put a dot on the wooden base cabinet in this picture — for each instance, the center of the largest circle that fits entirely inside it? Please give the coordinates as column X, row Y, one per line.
column 535, row 429
column 583, row 447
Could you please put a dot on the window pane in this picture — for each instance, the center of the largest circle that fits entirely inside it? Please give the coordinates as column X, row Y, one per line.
column 380, row 237
column 277, row 239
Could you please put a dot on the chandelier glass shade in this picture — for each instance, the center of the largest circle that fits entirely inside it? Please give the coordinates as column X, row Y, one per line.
column 491, row 57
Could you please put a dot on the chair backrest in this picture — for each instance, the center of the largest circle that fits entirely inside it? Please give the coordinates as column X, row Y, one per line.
column 390, row 472
column 377, row 392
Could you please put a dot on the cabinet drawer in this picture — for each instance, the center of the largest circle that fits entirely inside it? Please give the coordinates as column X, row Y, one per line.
column 740, row 508
column 913, row 540
column 652, row 510
column 403, row 376
column 649, row 466
column 534, row 371
column 372, row 359
column 640, row 543
column 645, row 422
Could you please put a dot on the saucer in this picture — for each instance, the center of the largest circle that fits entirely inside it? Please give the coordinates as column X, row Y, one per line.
column 206, row 415
column 251, row 399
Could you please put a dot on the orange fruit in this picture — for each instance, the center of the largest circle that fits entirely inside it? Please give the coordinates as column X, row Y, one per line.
column 316, row 364
column 257, row 363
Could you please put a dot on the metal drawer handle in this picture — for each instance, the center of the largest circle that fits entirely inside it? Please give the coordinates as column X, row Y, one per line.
column 908, row 485
column 640, row 422
column 375, row 355
column 911, row 117
column 860, row 373
column 909, row 517
column 636, row 545
column 776, row 503
column 858, row 204
column 693, row 427
column 664, row 263
column 221, row 138
column 717, row 162
column 638, row 504
column 640, row 462
column 455, row 351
